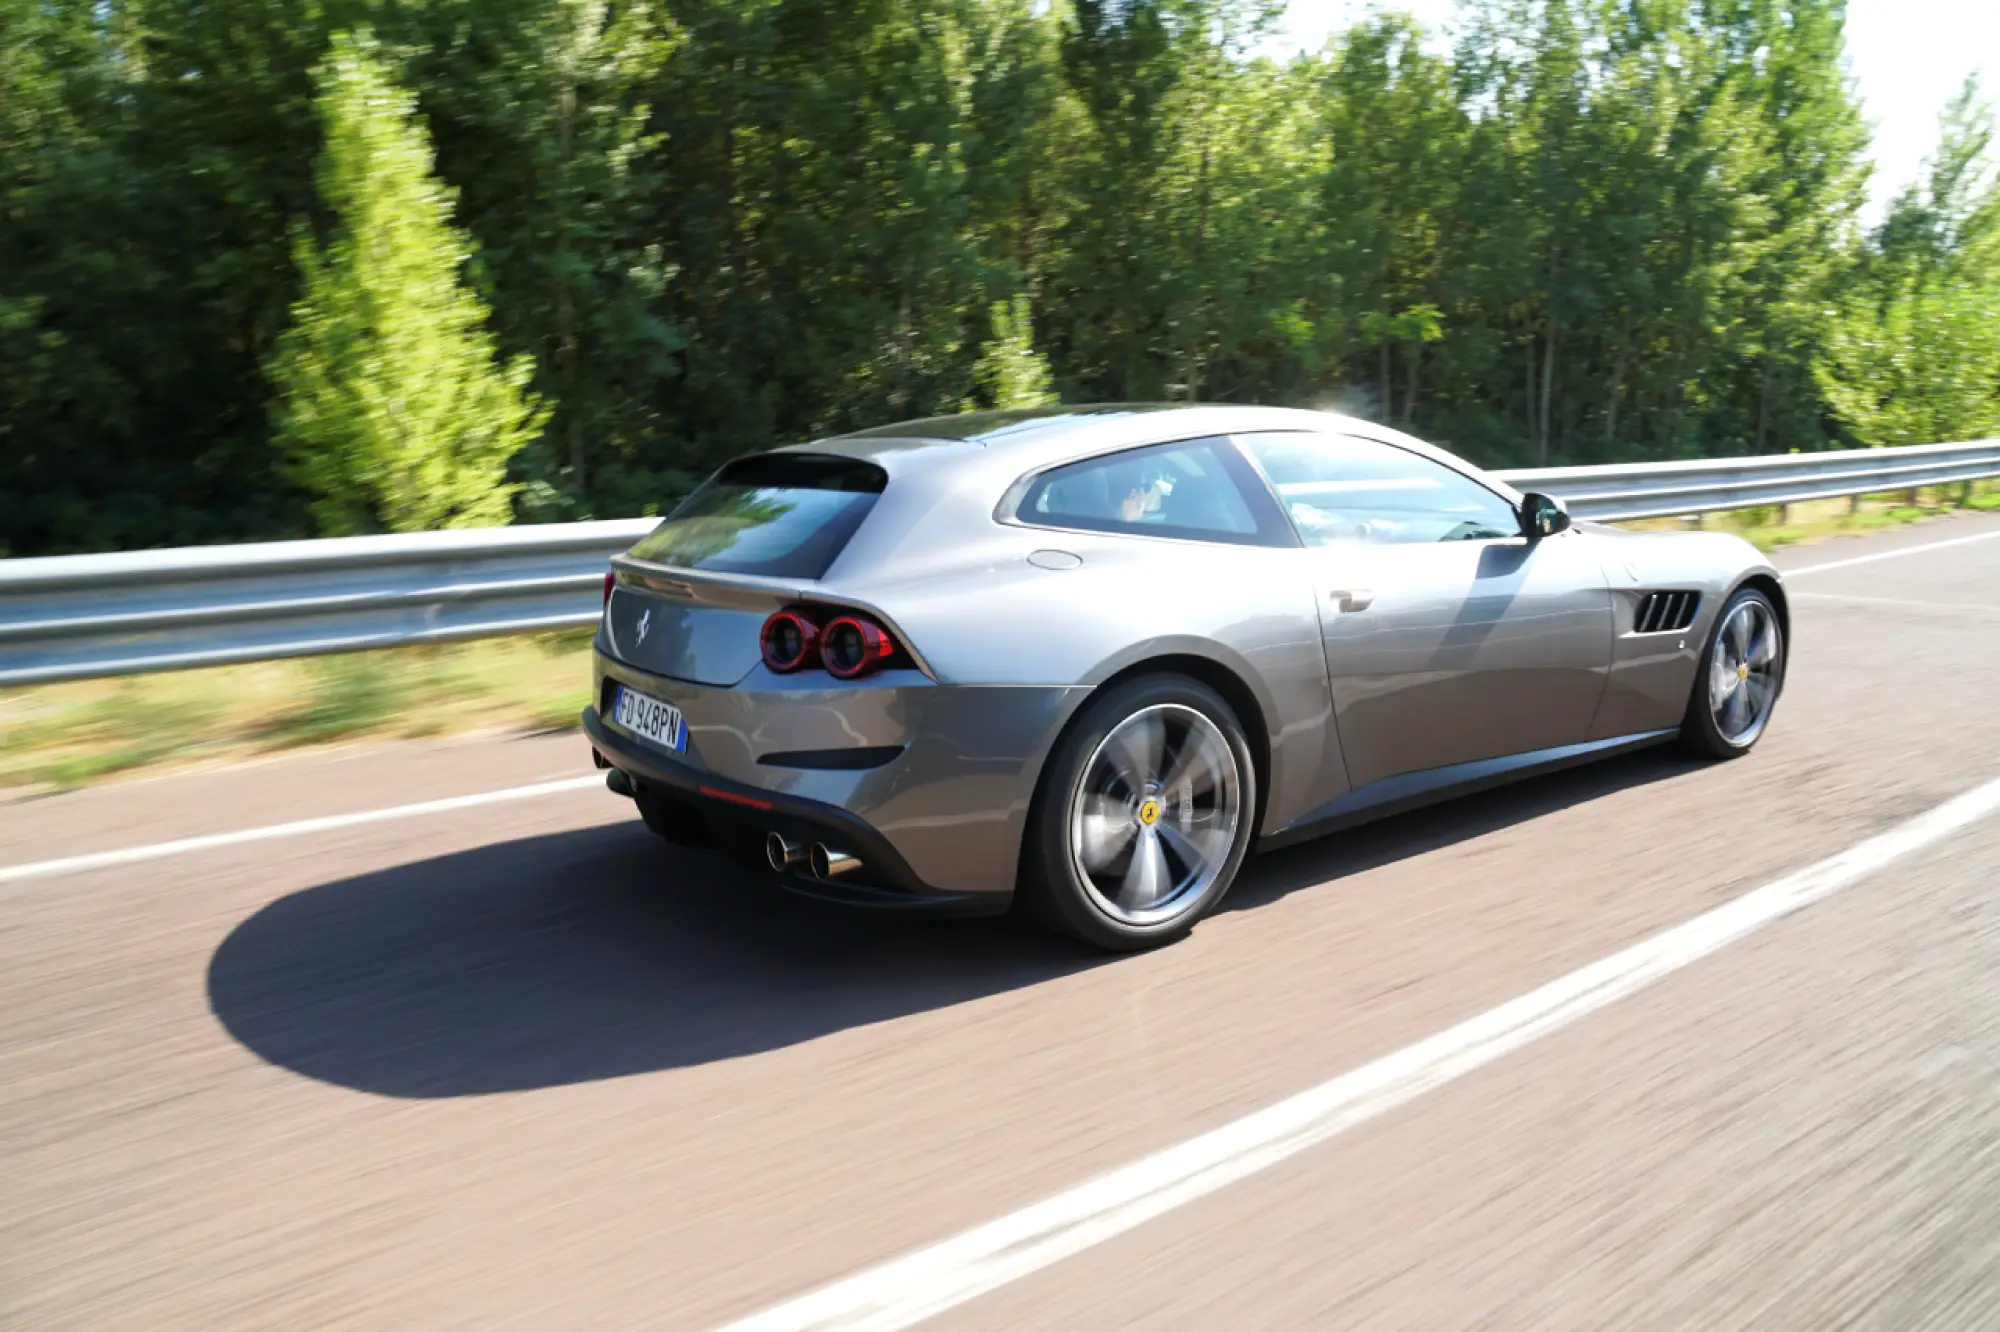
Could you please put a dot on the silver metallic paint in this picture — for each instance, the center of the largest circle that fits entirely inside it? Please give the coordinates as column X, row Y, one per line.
column 1651, row 674
column 954, row 804
column 1469, row 656
column 1467, row 650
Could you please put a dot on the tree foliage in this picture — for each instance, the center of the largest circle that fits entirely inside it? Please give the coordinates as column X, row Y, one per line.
column 391, row 413
column 1913, row 355
column 1010, row 372
column 1586, row 230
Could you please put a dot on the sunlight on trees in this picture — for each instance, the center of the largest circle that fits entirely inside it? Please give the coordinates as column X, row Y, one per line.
column 655, row 237
column 1010, row 372
column 391, row 412
column 1914, row 352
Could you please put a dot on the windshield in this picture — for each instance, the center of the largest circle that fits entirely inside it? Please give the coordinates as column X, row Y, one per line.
column 783, row 515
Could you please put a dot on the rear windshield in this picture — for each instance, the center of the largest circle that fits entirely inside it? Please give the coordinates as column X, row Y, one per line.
column 784, row 515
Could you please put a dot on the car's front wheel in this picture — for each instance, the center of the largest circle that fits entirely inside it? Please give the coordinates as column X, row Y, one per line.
column 1742, row 670
column 1143, row 817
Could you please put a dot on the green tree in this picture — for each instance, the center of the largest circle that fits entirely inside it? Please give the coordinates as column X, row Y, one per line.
column 392, row 412
column 542, row 113
column 1914, row 355
column 1010, row 372
column 152, row 158
column 1807, row 188
column 1120, row 61
column 1590, row 230
column 1396, row 139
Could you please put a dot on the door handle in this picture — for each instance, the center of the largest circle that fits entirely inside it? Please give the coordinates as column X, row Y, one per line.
column 1354, row 599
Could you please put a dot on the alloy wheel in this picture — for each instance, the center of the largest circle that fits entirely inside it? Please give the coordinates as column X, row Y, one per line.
column 1743, row 671
column 1155, row 814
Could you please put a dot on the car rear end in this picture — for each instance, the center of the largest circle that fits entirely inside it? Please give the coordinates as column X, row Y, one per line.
column 747, row 702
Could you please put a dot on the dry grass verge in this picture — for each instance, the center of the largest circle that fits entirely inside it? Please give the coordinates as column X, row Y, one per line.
column 64, row 735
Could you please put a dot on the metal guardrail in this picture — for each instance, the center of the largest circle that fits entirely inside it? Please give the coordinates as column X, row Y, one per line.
column 72, row 617
column 1621, row 492
column 80, row 616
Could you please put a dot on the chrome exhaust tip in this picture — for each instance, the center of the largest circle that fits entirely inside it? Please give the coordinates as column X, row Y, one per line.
column 784, row 856
column 829, row 864
column 616, row 780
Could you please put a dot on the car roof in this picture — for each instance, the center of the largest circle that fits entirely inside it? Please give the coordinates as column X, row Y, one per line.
column 1016, row 442
column 1034, row 436
column 997, row 428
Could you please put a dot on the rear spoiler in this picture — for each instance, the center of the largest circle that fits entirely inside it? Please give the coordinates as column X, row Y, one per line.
column 706, row 584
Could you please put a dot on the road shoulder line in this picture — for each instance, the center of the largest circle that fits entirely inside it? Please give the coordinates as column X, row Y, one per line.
column 1888, row 554
column 133, row 855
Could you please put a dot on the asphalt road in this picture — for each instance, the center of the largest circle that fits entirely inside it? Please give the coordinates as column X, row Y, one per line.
column 521, row 1066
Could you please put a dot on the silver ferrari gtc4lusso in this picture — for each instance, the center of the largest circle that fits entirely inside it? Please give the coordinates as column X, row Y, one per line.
column 1090, row 657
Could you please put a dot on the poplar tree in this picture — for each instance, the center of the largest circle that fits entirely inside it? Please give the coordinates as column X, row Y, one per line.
column 392, row 411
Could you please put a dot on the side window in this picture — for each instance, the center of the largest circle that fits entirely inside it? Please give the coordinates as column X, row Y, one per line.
column 1194, row 490
column 1344, row 488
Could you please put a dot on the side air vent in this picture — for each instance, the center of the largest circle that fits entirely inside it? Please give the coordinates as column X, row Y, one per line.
column 1665, row 612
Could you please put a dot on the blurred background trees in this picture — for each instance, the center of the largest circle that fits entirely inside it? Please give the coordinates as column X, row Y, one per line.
column 391, row 412
column 1914, row 341
column 680, row 230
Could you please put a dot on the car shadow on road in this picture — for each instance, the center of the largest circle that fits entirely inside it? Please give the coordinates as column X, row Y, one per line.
column 1373, row 845
column 597, row 953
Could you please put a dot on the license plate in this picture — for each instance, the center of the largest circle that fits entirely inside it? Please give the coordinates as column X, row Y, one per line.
column 644, row 715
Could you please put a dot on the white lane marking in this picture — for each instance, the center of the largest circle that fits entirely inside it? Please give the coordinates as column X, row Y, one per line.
column 1887, row 555
column 924, row 1284
column 132, row 855
column 1903, row 603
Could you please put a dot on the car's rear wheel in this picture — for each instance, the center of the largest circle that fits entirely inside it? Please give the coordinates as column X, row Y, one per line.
column 1742, row 670
column 1144, row 815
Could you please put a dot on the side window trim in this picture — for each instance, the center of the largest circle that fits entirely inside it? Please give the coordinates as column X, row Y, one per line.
column 1273, row 528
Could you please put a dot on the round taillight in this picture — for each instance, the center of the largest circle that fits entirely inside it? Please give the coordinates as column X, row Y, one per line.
column 790, row 641
column 854, row 645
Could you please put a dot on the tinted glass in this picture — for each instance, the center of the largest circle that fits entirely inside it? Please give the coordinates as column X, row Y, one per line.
column 778, row 514
column 1342, row 488
column 1189, row 490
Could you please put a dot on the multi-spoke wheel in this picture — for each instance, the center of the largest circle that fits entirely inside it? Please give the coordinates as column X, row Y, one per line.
column 1742, row 670
column 1143, row 816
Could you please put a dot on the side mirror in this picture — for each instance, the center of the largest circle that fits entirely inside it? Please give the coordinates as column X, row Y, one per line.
column 1542, row 516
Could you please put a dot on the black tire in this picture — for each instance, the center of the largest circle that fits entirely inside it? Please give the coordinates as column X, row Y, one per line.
column 1702, row 734
column 1055, row 887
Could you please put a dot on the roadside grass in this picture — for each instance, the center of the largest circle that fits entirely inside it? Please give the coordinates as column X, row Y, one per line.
column 53, row 737
column 1772, row 526
column 66, row 735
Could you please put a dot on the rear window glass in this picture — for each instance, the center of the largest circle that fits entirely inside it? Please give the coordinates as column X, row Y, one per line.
column 783, row 515
column 1192, row 490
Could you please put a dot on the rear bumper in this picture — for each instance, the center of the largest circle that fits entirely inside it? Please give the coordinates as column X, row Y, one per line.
column 943, row 775
column 744, row 815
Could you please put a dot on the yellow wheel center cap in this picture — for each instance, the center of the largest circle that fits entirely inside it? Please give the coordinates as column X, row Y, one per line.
column 1149, row 812
column 1743, row 672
